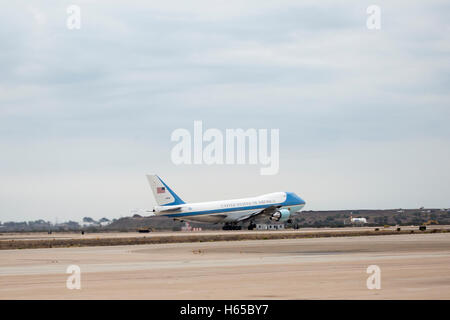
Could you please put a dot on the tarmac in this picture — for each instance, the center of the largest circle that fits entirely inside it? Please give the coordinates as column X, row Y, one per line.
column 412, row 266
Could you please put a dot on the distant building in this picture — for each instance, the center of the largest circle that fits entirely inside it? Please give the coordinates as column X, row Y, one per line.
column 359, row 220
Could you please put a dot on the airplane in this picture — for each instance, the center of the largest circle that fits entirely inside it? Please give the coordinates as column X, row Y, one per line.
column 277, row 206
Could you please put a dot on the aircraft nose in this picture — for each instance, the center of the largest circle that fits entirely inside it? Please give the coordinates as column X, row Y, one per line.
column 298, row 199
column 301, row 200
column 294, row 199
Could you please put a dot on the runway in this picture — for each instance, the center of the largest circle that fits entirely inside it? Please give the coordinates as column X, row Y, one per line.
column 413, row 266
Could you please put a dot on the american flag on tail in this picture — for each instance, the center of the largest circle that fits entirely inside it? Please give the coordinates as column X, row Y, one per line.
column 160, row 189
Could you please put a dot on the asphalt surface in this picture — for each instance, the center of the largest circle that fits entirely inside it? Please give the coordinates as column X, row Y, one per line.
column 414, row 266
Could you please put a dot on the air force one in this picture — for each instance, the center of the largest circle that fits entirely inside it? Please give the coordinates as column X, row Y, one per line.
column 278, row 206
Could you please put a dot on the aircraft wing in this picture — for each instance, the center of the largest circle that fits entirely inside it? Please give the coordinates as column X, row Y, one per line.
column 267, row 211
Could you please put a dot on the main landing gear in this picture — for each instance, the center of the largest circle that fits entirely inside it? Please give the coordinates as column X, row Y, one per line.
column 251, row 226
column 231, row 226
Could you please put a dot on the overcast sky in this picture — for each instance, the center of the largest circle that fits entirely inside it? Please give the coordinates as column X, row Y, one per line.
column 85, row 114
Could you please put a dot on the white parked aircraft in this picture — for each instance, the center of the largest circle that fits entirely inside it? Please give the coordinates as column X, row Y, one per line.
column 276, row 206
column 357, row 220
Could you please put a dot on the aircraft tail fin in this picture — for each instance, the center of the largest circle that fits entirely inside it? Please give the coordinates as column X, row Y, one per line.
column 164, row 196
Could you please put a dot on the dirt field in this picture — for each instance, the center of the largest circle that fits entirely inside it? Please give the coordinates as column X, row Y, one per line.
column 412, row 266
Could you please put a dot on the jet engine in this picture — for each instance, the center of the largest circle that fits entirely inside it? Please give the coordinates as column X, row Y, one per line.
column 280, row 215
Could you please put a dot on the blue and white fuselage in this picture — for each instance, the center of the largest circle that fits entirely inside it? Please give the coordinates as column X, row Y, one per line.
column 277, row 206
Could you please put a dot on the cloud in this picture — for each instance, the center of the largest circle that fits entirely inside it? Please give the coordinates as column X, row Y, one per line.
column 105, row 98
